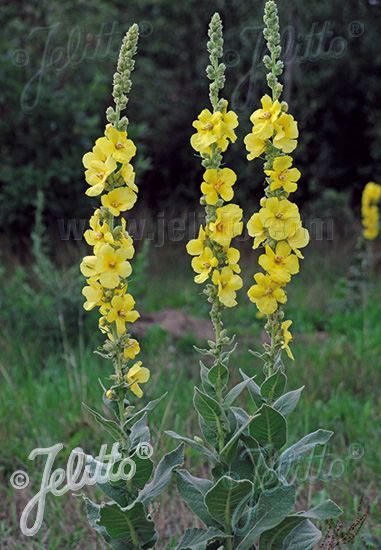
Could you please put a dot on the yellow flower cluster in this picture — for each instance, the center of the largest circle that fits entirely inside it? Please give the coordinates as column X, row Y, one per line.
column 109, row 172
column 370, row 214
column 277, row 226
column 214, row 257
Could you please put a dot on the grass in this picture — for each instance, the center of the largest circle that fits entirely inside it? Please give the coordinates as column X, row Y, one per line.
column 45, row 376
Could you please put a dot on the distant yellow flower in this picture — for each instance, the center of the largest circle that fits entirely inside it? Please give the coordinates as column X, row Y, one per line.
column 266, row 294
column 132, row 349
column 122, row 312
column 263, row 119
column 286, row 129
column 282, row 175
column 203, row 265
column 97, row 173
column 280, row 264
column 218, row 183
column 256, row 229
column 116, row 144
column 119, row 200
column 137, row 375
column 370, row 214
column 227, row 224
column 280, row 217
column 208, row 128
column 112, row 265
column 228, row 283
column 196, row 246
column 287, row 337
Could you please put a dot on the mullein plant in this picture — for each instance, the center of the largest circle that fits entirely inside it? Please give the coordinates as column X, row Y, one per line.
column 124, row 521
column 248, row 503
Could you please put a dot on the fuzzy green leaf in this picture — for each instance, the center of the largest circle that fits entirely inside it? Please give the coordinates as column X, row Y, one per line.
column 235, row 392
column 228, row 453
column 269, row 428
column 149, row 407
column 304, row 537
column 193, row 490
column 297, row 452
column 198, row 539
column 109, row 425
column 287, row 402
column 273, row 387
column 130, row 523
column 218, row 375
column 139, row 433
column 210, row 410
column 254, row 390
column 211, row 456
column 225, row 497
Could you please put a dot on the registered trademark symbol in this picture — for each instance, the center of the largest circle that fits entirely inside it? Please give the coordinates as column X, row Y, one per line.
column 356, row 29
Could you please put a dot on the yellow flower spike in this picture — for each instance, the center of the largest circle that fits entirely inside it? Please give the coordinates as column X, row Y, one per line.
column 137, row 375
column 287, row 337
column 209, row 130
column 119, row 200
column 280, row 217
column 286, row 129
column 218, row 183
column 256, row 229
column 122, row 312
column 282, row 175
column 227, row 224
column 196, row 246
column 228, row 283
column 203, row 265
column 111, row 264
column 97, row 173
column 266, row 294
column 132, row 349
column 280, row 264
column 370, row 214
column 263, row 119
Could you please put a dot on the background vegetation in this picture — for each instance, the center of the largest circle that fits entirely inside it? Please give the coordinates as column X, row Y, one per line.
column 57, row 61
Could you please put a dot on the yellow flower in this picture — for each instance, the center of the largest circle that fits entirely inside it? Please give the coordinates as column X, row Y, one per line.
column 203, row 265
column 287, row 337
column 282, row 176
column 122, row 312
column 97, row 173
column 119, row 200
column 229, row 121
column 256, row 229
column 196, row 246
column 255, row 146
column 218, row 183
column 132, row 349
column 232, row 259
column 109, row 394
column 87, row 266
column 227, row 283
column 286, row 129
column 99, row 235
column 370, row 215
column 263, row 119
column 280, row 264
column 299, row 238
column 124, row 239
column 208, row 128
column 280, row 217
column 93, row 294
column 128, row 175
column 137, row 375
column 116, row 144
column 112, row 265
column 266, row 294
column 227, row 224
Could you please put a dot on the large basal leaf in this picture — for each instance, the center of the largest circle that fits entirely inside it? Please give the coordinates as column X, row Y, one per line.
column 270, row 510
column 109, row 425
column 211, row 411
column 304, row 537
column 275, row 537
column 269, row 428
column 211, row 456
column 162, row 475
column 130, row 523
column 226, row 496
column 193, row 490
column 198, row 539
column 287, row 402
column 149, row 407
column 273, row 387
column 254, row 390
column 297, row 452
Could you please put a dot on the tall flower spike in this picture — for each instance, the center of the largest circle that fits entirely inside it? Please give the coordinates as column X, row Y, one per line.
column 277, row 226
